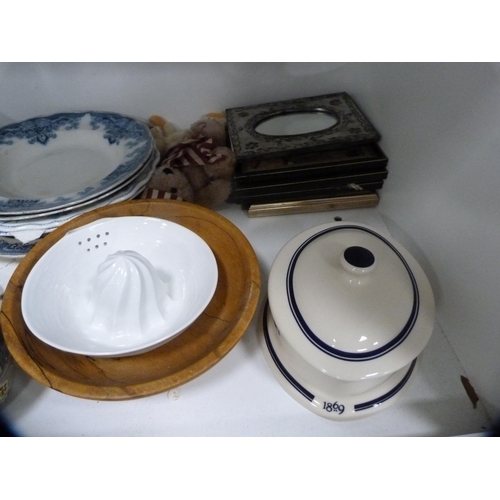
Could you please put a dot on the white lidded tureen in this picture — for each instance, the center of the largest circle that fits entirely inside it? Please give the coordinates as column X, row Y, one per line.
column 349, row 312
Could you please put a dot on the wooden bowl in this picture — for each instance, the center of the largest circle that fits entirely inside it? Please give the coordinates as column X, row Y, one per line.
column 196, row 350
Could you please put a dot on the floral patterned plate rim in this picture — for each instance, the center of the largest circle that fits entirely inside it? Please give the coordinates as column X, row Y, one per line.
column 11, row 247
column 63, row 159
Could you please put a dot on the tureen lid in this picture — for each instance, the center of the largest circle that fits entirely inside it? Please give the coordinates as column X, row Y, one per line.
column 353, row 302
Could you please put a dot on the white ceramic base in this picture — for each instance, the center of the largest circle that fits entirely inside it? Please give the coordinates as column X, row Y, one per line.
column 328, row 397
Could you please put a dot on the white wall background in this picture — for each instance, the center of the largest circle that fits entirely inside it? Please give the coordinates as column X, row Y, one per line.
column 441, row 130
column 441, row 127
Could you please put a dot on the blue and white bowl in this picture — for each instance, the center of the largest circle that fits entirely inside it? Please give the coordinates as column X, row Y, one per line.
column 56, row 161
column 349, row 312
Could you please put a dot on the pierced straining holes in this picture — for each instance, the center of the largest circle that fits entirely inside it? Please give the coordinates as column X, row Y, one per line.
column 96, row 247
column 337, row 219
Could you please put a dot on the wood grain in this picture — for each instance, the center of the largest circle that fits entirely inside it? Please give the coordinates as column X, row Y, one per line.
column 187, row 356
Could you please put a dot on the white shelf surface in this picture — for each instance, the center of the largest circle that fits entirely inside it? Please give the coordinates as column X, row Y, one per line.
column 239, row 396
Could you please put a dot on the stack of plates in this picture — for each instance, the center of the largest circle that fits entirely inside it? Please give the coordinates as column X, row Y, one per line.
column 54, row 168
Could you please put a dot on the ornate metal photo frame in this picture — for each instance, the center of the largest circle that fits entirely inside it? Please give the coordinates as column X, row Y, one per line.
column 350, row 126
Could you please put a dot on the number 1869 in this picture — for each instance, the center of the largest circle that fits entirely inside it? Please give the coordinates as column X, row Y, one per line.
column 329, row 407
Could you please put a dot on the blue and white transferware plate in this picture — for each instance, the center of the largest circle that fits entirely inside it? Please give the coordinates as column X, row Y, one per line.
column 12, row 247
column 20, row 220
column 64, row 159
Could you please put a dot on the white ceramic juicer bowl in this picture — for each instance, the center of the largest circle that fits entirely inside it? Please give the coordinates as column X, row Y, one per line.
column 349, row 312
column 119, row 286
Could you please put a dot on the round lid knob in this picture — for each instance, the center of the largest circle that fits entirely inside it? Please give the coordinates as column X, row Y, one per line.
column 358, row 260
